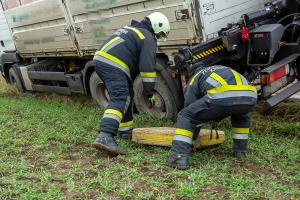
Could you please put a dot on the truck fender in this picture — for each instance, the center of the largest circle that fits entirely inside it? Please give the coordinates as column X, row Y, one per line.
column 16, row 67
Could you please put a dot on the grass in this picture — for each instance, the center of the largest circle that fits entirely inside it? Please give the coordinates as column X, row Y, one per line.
column 45, row 153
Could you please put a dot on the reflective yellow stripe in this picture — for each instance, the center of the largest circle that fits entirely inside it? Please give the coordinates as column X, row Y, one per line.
column 225, row 88
column 139, row 33
column 125, row 124
column 241, row 130
column 207, row 52
column 202, row 55
column 218, row 47
column 148, row 74
column 218, row 78
column 183, row 132
column 237, row 77
column 210, row 51
column 195, row 76
column 110, row 42
column 195, row 58
column 114, row 112
column 114, row 59
column 198, row 56
column 214, row 50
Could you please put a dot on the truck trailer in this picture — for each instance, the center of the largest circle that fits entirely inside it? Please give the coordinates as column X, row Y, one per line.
column 55, row 42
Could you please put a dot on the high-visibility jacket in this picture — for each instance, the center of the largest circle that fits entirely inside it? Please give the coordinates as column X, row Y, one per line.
column 220, row 82
column 131, row 50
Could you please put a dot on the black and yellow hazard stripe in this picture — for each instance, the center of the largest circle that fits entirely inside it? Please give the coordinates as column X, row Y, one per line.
column 208, row 52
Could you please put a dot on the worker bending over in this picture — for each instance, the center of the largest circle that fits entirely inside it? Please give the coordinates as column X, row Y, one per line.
column 213, row 94
column 130, row 51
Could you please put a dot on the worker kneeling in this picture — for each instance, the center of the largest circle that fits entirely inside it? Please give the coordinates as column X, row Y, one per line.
column 213, row 94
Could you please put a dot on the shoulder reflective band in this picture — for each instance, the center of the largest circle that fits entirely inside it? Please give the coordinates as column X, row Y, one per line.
column 139, row 33
column 195, row 76
column 212, row 82
column 218, row 78
column 183, row 132
column 110, row 42
column 148, row 74
column 225, row 88
column 237, row 77
column 114, row 44
column 241, row 130
column 114, row 59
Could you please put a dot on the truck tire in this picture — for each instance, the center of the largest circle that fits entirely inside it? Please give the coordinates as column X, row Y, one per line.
column 98, row 91
column 165, row 107
column 15, row 79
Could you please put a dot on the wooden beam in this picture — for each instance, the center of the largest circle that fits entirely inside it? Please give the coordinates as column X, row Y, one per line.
column 162, row 136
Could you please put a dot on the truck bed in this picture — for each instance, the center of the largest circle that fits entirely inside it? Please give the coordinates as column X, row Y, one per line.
column 43, row 28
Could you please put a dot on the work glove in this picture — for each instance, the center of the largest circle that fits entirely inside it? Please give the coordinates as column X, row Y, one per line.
column 152, row 101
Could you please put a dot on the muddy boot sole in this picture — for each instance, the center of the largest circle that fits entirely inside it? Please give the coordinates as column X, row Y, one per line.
column 113, row 150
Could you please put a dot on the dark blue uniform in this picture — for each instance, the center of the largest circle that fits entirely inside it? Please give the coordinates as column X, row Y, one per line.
column 130, row 51
column 213, row 94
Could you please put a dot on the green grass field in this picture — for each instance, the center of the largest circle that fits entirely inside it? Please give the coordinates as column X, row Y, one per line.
column 45, row 153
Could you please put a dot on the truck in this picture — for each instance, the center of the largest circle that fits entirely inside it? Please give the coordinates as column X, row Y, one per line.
column 55, row 42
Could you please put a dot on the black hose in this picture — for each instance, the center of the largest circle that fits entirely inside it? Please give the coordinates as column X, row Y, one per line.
column 285, row 17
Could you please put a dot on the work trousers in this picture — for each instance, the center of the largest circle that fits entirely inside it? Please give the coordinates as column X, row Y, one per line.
column 118, row 115
column 206, row 109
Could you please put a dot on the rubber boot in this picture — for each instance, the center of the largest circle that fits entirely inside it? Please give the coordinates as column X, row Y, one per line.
column 107, row 142
column 240, row 148
column 126, row 135
column 179, row 156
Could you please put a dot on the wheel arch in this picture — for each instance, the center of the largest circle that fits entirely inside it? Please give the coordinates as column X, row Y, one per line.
column 6, row 68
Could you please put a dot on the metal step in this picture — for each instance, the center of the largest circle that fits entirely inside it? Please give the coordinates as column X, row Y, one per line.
column 49, row 76
column 53, row 89
column 275, row 100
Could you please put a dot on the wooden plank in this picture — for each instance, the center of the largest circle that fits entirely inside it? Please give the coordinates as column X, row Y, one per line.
column 163, row 136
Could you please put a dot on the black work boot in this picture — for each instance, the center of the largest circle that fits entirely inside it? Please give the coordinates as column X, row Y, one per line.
column 240, row 148
column 179, row 156
column 126, row 135
column 107, row 142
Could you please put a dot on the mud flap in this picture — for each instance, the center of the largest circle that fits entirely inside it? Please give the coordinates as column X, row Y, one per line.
column 162, row 136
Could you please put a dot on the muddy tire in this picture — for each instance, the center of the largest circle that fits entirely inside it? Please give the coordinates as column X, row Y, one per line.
column 15, row 79
column 165, row 107
column 98, row 91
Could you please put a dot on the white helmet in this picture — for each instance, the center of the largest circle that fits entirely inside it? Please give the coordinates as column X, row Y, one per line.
column 160, row 24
